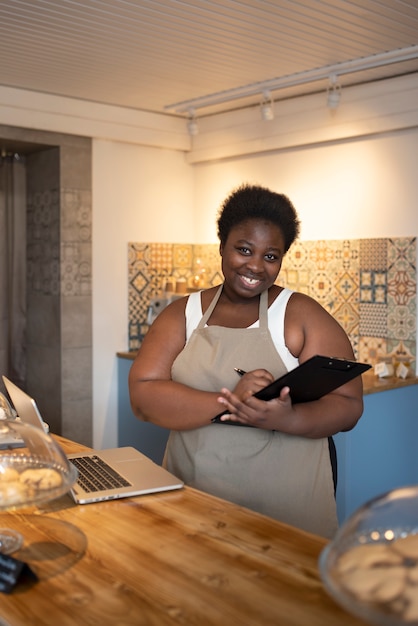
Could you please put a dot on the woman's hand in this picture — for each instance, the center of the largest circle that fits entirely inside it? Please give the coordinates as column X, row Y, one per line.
column 251, row 382
column 243, row 407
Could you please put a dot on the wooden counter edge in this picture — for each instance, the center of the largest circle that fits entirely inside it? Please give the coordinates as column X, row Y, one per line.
column 374, row 384
column 129, row 355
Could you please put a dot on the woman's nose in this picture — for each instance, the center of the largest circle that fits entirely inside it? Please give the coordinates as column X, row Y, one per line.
column 255, row 264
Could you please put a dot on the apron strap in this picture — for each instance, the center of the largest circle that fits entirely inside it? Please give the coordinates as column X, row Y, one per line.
column 210, row 308
column 263, row 310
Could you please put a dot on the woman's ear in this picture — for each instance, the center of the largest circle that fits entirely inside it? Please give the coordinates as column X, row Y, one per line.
column 221, row 248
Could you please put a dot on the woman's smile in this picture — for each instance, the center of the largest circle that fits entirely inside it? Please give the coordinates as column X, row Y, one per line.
column 250, row 282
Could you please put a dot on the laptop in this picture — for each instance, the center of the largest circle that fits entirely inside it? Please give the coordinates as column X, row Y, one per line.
column 121, row 472
column 26, row 410
column 102, row 474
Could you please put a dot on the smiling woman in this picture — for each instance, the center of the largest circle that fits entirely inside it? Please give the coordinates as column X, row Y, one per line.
column 278, row 462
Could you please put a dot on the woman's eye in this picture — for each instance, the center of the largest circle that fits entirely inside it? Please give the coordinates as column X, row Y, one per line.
column 271, row 257
column 244, row 251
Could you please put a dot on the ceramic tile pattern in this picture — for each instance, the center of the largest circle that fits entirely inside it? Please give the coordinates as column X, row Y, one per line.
column 368, row 285
column 59, row 328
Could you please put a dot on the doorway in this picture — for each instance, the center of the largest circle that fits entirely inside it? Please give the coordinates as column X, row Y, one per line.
column 58, row 343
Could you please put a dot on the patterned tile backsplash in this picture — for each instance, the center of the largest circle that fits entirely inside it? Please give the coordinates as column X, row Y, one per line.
column 368, row 285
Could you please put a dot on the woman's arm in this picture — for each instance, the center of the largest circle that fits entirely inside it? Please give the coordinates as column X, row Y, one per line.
column 309, row 330
column 154, row 396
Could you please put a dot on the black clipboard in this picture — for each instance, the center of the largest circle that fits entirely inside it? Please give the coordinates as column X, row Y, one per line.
column 311, row 380
column 314, row 378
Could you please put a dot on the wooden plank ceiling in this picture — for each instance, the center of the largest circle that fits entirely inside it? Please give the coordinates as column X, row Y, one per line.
column 148, row 54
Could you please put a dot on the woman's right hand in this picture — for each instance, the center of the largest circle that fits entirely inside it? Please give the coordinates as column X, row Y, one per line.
column 251, row 382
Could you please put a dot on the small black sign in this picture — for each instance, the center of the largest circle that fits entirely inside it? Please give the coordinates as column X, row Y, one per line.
column 11, row 570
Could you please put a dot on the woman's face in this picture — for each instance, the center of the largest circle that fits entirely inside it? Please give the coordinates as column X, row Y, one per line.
column 252, row 256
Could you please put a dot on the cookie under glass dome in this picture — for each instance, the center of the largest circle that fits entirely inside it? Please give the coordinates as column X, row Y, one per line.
column 36, row 472
column 371, row 565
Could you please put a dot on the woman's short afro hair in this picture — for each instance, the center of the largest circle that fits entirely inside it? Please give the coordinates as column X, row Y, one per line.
column 256, row 202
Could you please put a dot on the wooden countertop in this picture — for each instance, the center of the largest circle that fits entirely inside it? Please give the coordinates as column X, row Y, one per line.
column 180, row 557
column 371, row 382
column 130, row 355
column 374, row 384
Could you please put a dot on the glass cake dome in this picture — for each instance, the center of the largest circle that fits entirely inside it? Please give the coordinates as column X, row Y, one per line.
column 371, row 565
column 35, row 471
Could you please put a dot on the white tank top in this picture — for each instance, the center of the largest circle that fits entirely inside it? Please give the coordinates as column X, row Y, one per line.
column 276, row 315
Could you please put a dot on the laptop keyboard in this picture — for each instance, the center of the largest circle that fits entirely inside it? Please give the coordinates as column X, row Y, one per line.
column 96, row 475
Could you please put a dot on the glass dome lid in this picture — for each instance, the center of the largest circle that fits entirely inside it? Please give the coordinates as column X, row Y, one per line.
column 36, row 472
column 371, row 565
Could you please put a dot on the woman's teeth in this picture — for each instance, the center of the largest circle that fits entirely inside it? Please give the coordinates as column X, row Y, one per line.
column 250, row 281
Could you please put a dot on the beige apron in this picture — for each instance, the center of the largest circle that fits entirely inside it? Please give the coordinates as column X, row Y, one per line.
column 283, row 476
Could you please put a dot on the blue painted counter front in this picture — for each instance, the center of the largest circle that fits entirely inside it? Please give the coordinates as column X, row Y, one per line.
column 381, row 452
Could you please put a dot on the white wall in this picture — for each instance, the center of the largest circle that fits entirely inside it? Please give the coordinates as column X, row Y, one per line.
column 365, row 187
column 139, row 194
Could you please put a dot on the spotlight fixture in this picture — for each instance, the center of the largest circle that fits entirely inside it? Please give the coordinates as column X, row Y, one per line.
column 266, row 106
column 333, row 92
column 192, row 125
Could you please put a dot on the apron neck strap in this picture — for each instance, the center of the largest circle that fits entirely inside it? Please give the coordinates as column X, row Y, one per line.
column 210, row 308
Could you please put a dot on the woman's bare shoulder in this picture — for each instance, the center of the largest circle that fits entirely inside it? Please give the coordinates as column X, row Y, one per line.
column 311, row 329
column 164, row 340
column 302, row 302
column 174, row 313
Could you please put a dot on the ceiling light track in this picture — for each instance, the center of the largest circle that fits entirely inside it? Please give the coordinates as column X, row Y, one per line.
column 300, row 78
